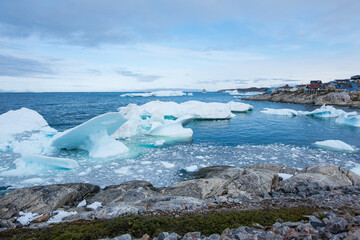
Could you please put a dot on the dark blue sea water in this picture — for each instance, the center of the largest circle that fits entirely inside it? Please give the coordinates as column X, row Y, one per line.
column 248, row 138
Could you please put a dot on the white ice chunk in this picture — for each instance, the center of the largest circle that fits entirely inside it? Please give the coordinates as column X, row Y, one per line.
column 283, row 112
column 190, row 94
column 60, row 215
column 155, row 94
column 196, row 109
column 33, row 181
column 356, row 170
column 160, row 142
column 336, row 145
column 285, row 176
column 173, row 129
column 32, row 165
column 191, row 168
column 168, row 165
column 82, row 203
column 345, row 119
column 26, row 218
column 325, row 112
column 240, row 107
column 94, row 205
column 19, row 121
column 94, row 137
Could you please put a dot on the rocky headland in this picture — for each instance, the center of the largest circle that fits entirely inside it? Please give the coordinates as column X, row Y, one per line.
column 344, row 98
column 327, row 195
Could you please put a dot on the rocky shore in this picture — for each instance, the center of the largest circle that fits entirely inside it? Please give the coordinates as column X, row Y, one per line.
column 345, row 98
column 332, row 190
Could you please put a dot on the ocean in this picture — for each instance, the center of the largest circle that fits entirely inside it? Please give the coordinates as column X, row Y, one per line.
column 246, row 139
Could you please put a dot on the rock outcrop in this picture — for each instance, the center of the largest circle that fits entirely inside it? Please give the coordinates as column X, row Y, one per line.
column 344, row 98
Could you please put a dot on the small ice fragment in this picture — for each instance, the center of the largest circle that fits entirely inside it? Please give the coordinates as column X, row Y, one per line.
column 94, row 205
column 168, row 165
column 160, row 142
column 191, row 168
column 60, row 216
column 285, row 176
column 82, row 203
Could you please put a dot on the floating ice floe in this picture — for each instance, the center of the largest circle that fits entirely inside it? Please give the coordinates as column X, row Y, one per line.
column 17, row 124
column 240, row 107
column 155, row 94
column 32, row 165
column 198, row 110
column 350, row 120
column 173, row 129
column 283, row 112
column 94, row 137
column 326, row 112
column 335, row 145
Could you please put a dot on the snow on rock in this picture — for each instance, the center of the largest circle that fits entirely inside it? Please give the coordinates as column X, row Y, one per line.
column 283, row 112
column 82, row 203
column 173, row 129
column 155, row 94
column 350, row 120
column 21, row 121
column 60, row 215
column 240, row 107
column 26, row 217
column 198, row 110
column 94, row 205
column 33, row 165
column 336, row 145
column 94, row 137
column 285, row 176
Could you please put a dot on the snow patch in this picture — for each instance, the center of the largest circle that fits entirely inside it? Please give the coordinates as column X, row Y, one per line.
column 285, row 176
column 94, row 205
column 60, row 215
column 82, row 203
column 26, row 218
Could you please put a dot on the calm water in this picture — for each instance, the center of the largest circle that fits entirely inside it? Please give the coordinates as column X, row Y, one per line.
column 248, row 138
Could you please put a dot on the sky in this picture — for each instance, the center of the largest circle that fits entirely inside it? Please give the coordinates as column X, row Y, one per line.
column 118, row 45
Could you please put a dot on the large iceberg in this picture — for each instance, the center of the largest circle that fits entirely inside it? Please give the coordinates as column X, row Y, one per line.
column 325, row 112
column 173, row 129
column 16, row 124
column 335, row 145
column 94, row 136
column 350, row 120
column 155, row 94
column 283, row 112
column 196, row 109
column 32, row 165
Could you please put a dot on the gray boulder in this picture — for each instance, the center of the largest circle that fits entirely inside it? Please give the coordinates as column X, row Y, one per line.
column 43, row 199
column 127, row 192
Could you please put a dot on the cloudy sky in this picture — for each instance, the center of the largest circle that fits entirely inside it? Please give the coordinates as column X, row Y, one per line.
column 117, row 45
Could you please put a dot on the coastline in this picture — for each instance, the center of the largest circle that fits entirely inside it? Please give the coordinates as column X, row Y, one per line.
column 344, row 98
column 215, row 190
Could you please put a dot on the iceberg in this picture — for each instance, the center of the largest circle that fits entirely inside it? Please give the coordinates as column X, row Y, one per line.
column 325, row 112
column 32, row 165
column 94, row 136
column 350, row 120
column 196, row 109
column 155, row 94
column 23, row 121
column 283, row 112
column 173, row 129
column 335, row 145
column 240, row 107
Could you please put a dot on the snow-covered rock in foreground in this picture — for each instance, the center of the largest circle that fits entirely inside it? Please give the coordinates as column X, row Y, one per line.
column 155, row 94
column 173, row 129
column 26, row 217
column 198, row 110
column 60, row 215
column 350, row 120
column 94, row 137
column 283, row 112
column 20, row 121
column 336, row 145
column 32, row 165
column 240, row 107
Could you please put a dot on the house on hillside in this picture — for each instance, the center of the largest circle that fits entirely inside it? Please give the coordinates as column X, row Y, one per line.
column 315, row 88
column 316, row 82
column 356, row 77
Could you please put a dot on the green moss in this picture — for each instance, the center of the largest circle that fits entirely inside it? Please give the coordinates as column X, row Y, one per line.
column 137, row 226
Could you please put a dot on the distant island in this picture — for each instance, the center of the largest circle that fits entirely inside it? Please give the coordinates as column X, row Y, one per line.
column 341, row 92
